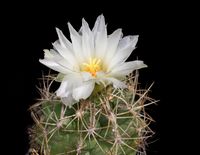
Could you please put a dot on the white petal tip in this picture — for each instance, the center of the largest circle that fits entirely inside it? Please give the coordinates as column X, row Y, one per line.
column 68, row 101
column 57, row 29
column 144, row 66
column 101, row 16
column 141, row 65
column 83, row 20
column 45, row 50
column 69, row 24
column 40, row 60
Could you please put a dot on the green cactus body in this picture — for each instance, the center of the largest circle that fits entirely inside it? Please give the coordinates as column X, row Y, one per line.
column 111, row 122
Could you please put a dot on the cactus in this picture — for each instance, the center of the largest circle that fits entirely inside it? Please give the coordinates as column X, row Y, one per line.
column 98, row 108
column 111, row 122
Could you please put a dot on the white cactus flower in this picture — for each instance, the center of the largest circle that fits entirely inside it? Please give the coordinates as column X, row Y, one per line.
column 91, row 57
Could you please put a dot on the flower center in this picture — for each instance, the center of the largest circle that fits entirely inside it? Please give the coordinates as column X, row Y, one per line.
column 93, row 66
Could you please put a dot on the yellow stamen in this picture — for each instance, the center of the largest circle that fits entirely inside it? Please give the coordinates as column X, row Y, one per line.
column 93, row 66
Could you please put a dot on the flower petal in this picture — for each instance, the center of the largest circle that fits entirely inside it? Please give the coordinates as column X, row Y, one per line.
column 76, row 43
column 124, row 50
column 63, row 89
column 100, row 37
column 100, row 78
column 67, row 55
column 51, row 55
column 84, row 90
column 126, row 41
column 97, row 23
column 113, row 41
column 86, row 76
column 116, row 83
column 63, row 40
column 55, row 66
column 87, row 40
column 127, row 67
column 68, row 101
column 70, row 81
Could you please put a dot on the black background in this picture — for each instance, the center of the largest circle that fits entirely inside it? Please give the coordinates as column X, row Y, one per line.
column 30, row 28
